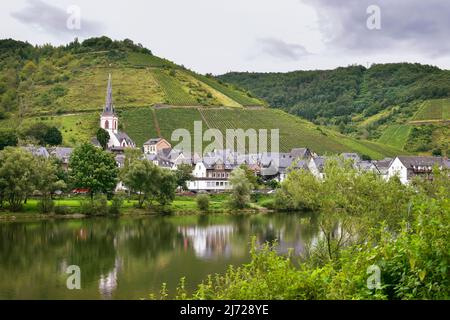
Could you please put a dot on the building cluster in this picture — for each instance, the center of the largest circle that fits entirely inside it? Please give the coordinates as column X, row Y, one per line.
column 211, row 171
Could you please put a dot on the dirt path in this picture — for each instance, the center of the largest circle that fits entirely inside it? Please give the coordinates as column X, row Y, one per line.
column 156, row 123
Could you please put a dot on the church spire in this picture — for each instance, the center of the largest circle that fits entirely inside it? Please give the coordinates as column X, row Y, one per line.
column 109, row 108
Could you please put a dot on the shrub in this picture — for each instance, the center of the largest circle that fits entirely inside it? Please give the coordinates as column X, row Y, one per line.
column 116, row 204
column 86, row 207
column 100, row 205
column 61, row 210
column 202, row 202
column 45, row 205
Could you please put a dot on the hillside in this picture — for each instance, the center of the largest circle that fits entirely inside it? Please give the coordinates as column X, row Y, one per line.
column 383, row 103
column 65, row 87
column 56, row 80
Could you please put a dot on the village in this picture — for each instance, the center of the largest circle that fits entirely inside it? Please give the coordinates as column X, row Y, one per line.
column 211, row 171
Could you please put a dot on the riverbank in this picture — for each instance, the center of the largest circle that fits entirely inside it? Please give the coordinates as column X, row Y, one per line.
column 181, row 206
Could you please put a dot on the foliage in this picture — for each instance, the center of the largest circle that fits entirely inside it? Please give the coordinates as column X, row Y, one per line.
column 102, row 137
column 46, row 182
column 94, row 169
column 183, row 174
column 8, row 138
column 412, row 255
column 202, row 202
column 150, row 182
column 43, row 134
column 241, row 188
column 17, row 169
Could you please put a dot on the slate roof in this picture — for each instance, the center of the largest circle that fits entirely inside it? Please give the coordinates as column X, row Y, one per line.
column 37, row 151
column 61, row 153
column 152, row 141
column 409, row 162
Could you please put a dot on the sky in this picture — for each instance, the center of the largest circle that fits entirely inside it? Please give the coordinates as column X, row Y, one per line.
column 212, row 36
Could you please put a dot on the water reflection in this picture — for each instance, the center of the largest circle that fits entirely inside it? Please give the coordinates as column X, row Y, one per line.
column 108, row 283
column 127, row 258
column 208, row 242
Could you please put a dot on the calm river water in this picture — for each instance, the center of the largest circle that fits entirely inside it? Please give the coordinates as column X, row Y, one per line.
column 127, row 258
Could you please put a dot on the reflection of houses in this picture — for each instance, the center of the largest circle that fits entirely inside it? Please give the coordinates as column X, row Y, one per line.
column 209, row 242
column 108, row 282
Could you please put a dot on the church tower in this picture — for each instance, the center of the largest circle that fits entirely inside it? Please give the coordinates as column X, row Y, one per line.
column 109, row 120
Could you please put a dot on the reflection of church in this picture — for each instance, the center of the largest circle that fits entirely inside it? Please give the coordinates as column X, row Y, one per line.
column 208, row 242
column 109, row 121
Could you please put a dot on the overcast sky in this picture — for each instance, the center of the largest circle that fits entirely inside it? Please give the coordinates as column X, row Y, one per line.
column 218, row 36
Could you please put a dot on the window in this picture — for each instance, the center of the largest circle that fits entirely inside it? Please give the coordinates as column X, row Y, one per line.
column 106, row 124
column 217, row 183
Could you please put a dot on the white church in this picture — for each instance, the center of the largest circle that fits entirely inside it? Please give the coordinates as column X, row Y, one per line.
column 110, row 122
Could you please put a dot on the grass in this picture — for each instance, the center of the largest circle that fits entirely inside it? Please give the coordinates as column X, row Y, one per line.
column 395, row 135
column 180, row 204
column 75, row 128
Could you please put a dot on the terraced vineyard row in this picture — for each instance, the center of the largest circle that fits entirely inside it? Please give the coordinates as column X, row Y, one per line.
column 438, row 109
column 138, row 124
column 238, row 96
column 395, row 135
column 174, row 92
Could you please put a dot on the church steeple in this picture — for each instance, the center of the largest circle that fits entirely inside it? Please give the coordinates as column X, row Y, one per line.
column 108, row 118
column 109, row 108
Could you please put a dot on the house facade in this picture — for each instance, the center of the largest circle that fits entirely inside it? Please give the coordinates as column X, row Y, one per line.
column 406, row 168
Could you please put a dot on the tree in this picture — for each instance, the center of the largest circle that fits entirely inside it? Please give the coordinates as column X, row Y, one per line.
column 53, row 137
column 17, row 170
column 103, row 137
column 94, row 169
column 150, row 182
column 183, row 174
column 46, row 181
column 167, row 186
column 241, row 187
column 8, row 138
column 250, row 174
column 43, row 134
column 140, row 177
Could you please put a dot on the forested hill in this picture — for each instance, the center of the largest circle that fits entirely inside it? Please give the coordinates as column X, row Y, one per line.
column 45, row 80
column 333, row 96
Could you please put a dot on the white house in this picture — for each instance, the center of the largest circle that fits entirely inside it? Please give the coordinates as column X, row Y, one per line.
column 210, row 177
column 408, row 167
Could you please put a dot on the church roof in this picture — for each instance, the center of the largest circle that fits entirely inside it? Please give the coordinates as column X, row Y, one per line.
column 109, row 107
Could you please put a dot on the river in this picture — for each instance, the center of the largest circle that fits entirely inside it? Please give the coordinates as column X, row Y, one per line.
column 130, row 257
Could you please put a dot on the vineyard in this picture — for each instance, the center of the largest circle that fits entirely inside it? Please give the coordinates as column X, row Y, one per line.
column 241, row 97
column 395, row 135
column 438, row 109
column 174, row 92
column 294, row 132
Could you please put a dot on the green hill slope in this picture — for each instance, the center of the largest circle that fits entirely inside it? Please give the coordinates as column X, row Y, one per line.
column 141, row 124
column 55, row 80
column 65, row 87
column 403, row 105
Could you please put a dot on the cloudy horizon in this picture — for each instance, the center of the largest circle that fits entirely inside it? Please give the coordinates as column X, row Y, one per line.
column 252, row 35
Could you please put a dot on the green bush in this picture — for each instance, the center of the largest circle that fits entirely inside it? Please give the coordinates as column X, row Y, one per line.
column 61, row 210
column 116, row 204
column 45, row 205
column 202, row 202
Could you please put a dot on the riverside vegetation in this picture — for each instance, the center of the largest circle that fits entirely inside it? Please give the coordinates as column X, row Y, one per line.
column 364, row 221
column 32, row 184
